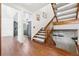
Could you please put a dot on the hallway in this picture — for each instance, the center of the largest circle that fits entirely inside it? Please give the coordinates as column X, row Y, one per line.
column 10, row 47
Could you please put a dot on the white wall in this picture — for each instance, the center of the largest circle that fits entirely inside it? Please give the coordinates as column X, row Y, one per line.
column 9, row 12
column 21, row 20
column 7, row 20
column 43, row 22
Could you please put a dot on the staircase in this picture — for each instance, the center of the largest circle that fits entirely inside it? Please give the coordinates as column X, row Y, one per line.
column 61, row 11
column 44, row 35
column 40, row 36
column 65, row 11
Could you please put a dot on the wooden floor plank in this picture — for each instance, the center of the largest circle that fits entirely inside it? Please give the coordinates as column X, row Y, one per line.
column 10, row 47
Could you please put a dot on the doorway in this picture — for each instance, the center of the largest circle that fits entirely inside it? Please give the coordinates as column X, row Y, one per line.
column 27, row 29
column 15, row 25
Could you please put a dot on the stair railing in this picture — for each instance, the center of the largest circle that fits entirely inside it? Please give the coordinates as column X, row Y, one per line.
column 48, row 29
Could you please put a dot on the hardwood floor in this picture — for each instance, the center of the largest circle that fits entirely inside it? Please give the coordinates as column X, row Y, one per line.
column 10, row 47
column 0, row 29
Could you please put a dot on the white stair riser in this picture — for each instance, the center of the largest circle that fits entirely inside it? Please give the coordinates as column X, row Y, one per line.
column 39, row 40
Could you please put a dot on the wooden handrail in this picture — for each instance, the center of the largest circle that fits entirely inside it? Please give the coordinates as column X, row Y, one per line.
column 53, row 17
column 46, row 25
column 54, row 10
column 49, row 40
column 77, row 11
column 49, row 23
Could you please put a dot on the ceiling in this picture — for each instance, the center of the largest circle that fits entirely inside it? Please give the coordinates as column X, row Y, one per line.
column 29, row 6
